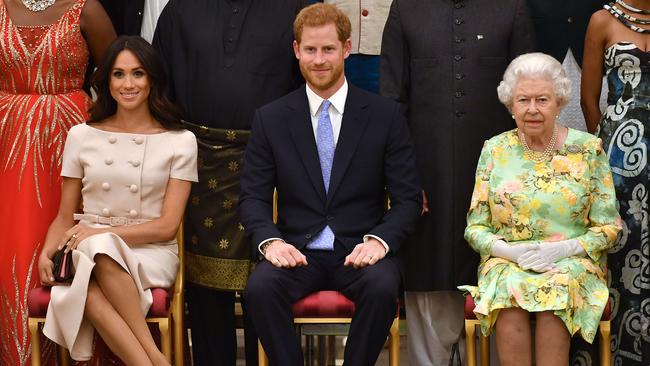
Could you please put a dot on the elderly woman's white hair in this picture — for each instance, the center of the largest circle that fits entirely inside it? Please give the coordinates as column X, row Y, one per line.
column 534, row 65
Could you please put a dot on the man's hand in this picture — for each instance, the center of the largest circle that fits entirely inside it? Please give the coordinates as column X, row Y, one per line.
column 366, row 254
column 283, row 255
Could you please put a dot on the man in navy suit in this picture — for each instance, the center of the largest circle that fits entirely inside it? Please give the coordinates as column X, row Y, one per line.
column 333, row 152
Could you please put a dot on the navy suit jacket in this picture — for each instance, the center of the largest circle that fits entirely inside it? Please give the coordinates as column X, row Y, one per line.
column 374, row 156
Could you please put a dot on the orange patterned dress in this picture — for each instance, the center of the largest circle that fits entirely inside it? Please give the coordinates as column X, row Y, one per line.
column 41, row 75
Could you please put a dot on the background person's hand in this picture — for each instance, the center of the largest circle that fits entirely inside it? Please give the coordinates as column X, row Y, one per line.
column 366, row 254
column 283, row 255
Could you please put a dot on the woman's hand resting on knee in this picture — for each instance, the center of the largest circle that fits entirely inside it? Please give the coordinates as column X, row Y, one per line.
column 73, row 236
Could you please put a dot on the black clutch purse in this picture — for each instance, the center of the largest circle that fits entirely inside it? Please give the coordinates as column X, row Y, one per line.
column 63, row 270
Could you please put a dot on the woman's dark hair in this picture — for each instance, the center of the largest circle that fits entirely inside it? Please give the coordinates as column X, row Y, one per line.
column 160, row 107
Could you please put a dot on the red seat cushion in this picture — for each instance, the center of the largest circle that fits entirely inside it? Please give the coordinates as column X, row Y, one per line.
column 39, row 298
column 324, row 304
column 469, row 309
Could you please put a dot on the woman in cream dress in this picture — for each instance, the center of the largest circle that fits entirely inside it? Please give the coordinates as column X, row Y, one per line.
column 131, row 166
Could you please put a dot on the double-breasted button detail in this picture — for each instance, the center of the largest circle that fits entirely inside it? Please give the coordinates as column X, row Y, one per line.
column 112, row 139
column 138, row 140
column 108, row 160
column 106, row 186
column 133, row 213
column 106, row 212
column 134, row 163
column 133, row 188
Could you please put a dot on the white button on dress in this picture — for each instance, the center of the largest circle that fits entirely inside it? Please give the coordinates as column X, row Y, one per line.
column 112, row 139
column 133, row 188
column 133, row 213
column 106, row 212
column 106, row 186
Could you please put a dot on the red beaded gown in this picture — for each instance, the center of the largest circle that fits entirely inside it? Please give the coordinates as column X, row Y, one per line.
column 41, row 75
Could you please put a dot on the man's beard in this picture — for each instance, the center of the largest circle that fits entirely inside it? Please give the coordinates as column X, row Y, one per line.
column 322, row 83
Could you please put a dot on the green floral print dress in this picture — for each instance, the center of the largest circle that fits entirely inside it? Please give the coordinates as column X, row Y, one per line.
column 520, row 201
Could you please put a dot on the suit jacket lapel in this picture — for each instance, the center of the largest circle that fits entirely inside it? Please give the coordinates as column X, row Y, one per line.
column 352, row 126
column 303, row 136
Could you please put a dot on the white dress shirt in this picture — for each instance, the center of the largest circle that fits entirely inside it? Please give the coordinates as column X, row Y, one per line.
column 336, row 111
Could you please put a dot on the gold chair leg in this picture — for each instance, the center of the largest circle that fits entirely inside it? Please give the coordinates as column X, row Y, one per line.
column 393, row 343
column 165, row 339
column 605, row 343
column 64, row 356
column 178, row 332
column 262, row 360
column 36, row 342
column 470, row 342
column 484, row 343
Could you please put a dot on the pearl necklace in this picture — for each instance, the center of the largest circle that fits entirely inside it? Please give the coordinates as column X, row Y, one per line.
column 38, row 5
column 537, row 156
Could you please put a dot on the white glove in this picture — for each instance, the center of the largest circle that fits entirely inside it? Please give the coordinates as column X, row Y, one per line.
column 511, row 252
column 543, row 259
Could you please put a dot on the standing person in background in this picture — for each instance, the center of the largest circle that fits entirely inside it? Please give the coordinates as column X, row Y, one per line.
column 45, row 48
column 617, row 45
column 368, row 18
column 443, row 59
column 225, row 58
column 126, row 15
column 150, row 14
column 560, row 28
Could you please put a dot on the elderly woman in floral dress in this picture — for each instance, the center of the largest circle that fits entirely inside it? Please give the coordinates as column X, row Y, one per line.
column 542, row 216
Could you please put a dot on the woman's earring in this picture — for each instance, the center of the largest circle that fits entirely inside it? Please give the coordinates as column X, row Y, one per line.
column 513, row 116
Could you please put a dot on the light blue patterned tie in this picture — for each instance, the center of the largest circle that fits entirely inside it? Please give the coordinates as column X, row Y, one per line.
column 326, row 146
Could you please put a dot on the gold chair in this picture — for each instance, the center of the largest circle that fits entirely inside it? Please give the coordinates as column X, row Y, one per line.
column 169, row 319
column 471, row 323
column 333, row 308
column 341, row 313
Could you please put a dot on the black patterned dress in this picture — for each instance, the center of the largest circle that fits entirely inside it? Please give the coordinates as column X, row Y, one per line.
column 625, row 129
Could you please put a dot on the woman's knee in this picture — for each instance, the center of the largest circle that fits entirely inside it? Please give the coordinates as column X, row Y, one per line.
column 104, row 265
column 513, row 319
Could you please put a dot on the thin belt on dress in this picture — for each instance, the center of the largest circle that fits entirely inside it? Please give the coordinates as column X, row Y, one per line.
column 112, row 221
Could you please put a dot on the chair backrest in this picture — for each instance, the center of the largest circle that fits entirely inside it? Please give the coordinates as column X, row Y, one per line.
column 180, row 276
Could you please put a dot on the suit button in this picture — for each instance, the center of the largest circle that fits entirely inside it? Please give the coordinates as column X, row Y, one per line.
column 308, row 236
column 458, row 39
column 458, row 21
column 364, row 12
column 458, row 57
column 459, row 76
column 569, row 20
column 330, row 218
column 459, row 114
column 458, row 94
column 458, row 5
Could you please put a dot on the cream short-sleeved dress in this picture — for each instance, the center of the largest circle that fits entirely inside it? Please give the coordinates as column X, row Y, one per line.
column 123, row 175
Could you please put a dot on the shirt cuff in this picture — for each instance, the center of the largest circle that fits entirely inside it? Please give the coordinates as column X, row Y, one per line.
column 368, row 236
column 259, row 246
